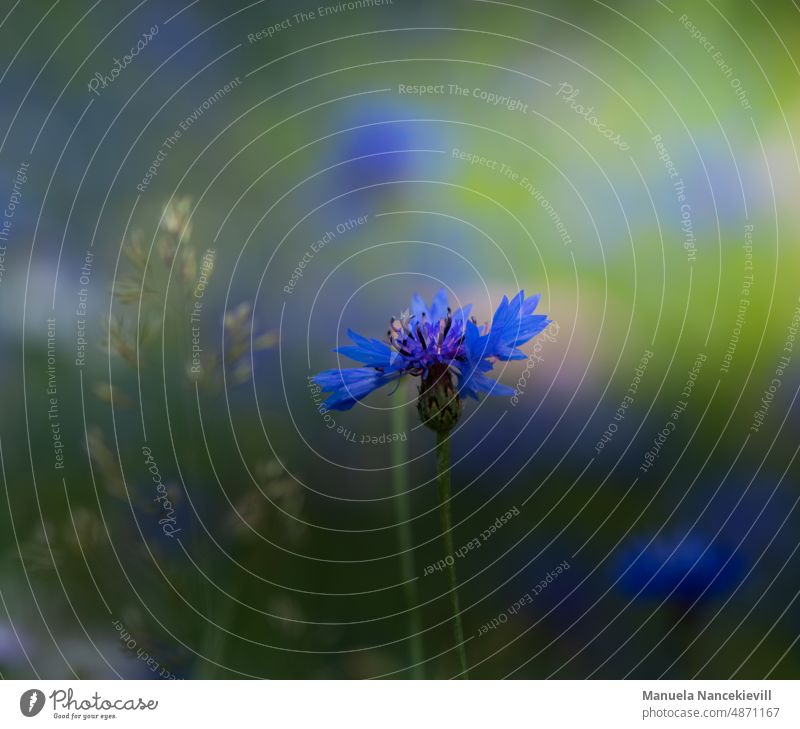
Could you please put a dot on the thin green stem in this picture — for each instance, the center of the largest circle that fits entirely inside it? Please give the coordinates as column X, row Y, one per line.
column 399, row 456
column 443, row 472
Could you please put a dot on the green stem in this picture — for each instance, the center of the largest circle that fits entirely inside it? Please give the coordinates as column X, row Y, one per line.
column 399, row 456
column 443, row 472
column 223, row 611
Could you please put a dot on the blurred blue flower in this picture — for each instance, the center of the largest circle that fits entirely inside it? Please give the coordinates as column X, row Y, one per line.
column 376, row 145
column 432, row 343
column 688, row 569
column 12, row 653
column 377, row 153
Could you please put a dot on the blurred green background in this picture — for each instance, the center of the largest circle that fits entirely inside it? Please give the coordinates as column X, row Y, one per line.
column 633, row 162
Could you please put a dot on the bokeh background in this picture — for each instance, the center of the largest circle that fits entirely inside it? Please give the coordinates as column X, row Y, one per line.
column 177, row 504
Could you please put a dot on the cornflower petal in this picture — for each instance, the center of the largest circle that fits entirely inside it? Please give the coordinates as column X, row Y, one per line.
column 434, row 341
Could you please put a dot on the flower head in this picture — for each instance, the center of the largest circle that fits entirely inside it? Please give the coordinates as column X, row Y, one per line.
column 687, row 568
column 439, row 346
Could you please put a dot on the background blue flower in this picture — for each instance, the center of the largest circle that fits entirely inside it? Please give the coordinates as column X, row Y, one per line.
column 682, row 567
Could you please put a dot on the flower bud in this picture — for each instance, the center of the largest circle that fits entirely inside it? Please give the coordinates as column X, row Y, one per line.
column 439, row 405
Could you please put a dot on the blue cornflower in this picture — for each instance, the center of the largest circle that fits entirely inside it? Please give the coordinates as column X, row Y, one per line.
column 687, row 569
column 436, row 344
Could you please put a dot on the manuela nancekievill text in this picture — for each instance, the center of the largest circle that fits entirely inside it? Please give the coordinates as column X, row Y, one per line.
column 765, row 695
